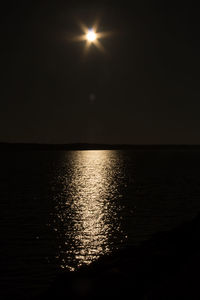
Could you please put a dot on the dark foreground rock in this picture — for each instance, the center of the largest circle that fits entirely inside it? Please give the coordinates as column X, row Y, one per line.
column 166, row 267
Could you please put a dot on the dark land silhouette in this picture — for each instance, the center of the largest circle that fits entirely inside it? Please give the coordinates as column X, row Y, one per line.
column 165, row 267
column 94, row 146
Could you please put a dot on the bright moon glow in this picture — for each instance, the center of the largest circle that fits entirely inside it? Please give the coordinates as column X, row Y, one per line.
column 91, row 35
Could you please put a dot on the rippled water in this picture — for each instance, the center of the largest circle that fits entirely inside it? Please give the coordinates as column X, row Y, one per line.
column 86, row 215
column 60, row 210
column 87, row 211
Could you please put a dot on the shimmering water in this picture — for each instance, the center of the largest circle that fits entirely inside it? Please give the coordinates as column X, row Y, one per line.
column 87, row 210
column 60, row 210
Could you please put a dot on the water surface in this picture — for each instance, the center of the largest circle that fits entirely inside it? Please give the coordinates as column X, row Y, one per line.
column 87, row 212
column 63, row 209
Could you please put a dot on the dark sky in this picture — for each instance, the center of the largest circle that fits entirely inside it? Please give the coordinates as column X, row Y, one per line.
column 144, row 89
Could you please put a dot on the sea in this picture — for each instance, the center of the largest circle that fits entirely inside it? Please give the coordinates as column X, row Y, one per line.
column 61, row 210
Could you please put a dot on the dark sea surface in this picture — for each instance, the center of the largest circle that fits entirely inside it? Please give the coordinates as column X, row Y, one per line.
column 63, row 209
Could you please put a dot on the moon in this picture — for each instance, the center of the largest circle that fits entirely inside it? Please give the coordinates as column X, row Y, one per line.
column 91, row 35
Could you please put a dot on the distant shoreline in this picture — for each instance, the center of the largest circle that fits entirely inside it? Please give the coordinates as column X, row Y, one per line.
column 87, row 146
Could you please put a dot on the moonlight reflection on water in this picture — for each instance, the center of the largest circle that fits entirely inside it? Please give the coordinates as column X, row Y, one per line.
column 86, row 217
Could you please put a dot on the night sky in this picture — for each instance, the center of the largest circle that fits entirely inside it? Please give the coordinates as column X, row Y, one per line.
column 145, row 88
